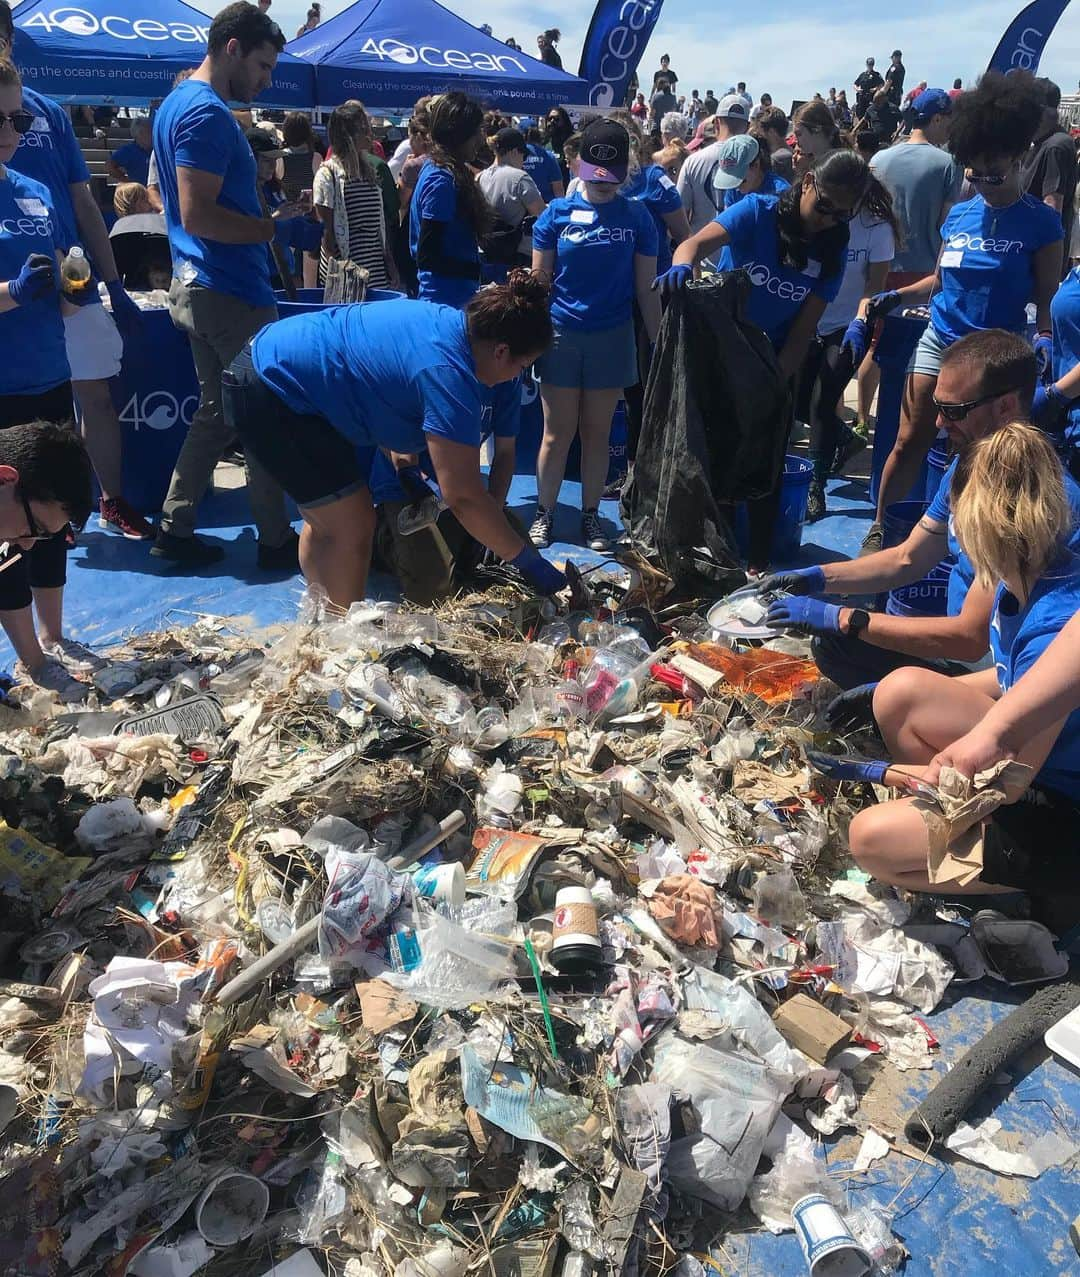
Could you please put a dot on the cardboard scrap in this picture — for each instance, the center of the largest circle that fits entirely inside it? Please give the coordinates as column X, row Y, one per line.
column 810, row 1028
column 383, row 1006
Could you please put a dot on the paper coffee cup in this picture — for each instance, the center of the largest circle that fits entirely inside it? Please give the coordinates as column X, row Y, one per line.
column 827, row 1244
column 575, row 934
column 231, row 1208
column 441, row 884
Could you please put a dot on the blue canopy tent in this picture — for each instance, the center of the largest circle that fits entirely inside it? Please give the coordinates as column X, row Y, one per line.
column 390, row 52
column 126, row 51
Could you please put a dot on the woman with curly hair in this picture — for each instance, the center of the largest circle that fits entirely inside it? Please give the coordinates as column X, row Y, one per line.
column 1000, row 250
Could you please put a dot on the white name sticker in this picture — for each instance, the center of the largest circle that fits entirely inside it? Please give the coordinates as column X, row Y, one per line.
column 583, row 216
column 33, row 208
column 812, row 269
column 952, row 258
column 666, row 182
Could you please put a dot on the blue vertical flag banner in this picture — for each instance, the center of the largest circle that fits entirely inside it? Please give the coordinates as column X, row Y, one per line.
column 616, row 39
column 1022, row 44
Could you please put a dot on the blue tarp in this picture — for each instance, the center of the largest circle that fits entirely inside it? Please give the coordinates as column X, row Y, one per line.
column 390, row 52
column 126, row 51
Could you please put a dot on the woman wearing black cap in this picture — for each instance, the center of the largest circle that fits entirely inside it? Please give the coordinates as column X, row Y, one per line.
column 599, row 250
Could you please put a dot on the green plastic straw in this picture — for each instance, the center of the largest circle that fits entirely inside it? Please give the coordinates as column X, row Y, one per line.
column 530, row 953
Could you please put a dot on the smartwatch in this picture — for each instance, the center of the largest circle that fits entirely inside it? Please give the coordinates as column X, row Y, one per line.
column 857, row 622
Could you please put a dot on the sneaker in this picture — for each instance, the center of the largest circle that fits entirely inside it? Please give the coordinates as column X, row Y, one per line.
column 280, row 558
column 851, row 444
column 872, row 541
column 117, row 513
column 815, row 502
column 591, row 531
column 74, row 657
column 52, row 677
column 540, row 532
column 189, row 551
column 861, row 428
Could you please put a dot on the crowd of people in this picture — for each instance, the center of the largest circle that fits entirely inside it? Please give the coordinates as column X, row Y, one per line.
column 518, row 244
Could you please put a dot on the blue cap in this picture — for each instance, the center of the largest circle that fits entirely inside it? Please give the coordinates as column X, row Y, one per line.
column 526, row 122
column 931, row 102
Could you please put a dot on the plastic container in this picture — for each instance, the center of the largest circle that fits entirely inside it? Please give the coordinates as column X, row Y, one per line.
column 231, row 1208
column 791, row 517
column 441, row 884
column 575, row 943
column 900, row 518
column 311, row 299
column 938, row 460
column 928, row 597
column 75, row 271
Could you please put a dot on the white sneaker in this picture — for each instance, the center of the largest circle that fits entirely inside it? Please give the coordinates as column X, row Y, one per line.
column 52, row 677
column 73, row 656
column 540, row 532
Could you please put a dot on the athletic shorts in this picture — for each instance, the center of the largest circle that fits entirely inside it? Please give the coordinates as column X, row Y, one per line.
column 604, row 360
column 94, row 345
column 927, row 356
column 1032, row 844
column 312, row 461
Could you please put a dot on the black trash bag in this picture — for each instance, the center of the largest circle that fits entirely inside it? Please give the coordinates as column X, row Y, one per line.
column 713, row 433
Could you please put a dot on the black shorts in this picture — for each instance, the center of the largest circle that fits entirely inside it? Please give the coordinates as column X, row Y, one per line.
column 1031, row 844
column 312, row 461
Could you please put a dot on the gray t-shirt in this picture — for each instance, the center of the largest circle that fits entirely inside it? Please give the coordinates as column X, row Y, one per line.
column 921, row 179
column 510, row 191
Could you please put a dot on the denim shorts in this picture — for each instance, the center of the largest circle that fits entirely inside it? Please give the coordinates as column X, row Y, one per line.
column 927, row 356
column 604, row 360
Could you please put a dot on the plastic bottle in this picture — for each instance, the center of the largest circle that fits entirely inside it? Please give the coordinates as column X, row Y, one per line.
column 75, row 271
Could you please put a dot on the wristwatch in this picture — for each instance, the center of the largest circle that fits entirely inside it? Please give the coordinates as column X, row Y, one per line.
column 857, row 622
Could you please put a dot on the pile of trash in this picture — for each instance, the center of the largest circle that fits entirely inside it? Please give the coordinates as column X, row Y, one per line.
column 487, row 940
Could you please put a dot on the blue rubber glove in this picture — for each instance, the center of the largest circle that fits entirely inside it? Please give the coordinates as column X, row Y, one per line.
column 846, row 768
column 544, row 577
column 797, row 581
column 674, row 279
column 1050, row 408
column 851, row 709
column 127, row 316
column 36, row 279
column 856, row 339
column 804, row 616
column 1044, row 354
column 882, row 304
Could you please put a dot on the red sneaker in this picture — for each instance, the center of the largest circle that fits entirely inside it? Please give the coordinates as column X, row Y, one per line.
column 117, row 514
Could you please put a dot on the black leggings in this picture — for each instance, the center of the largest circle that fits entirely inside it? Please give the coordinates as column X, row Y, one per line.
column 43, row 567
column 825, row 374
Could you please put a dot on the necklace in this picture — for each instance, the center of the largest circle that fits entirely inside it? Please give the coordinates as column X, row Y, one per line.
column 998, row 210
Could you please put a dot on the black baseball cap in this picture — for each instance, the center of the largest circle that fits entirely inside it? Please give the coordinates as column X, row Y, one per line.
column 605, row 152
column 263, row 142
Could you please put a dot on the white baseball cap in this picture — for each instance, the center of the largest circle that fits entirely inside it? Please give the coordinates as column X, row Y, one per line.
column 733, row 108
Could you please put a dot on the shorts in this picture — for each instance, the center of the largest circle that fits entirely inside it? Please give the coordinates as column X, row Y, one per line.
column 312, row 461
column 94, row 345
column 927, row 356
column 604, row 360
column 1031, row 844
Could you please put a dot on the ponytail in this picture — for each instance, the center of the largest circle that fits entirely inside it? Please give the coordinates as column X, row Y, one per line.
column 454, row 120
column 516, row 313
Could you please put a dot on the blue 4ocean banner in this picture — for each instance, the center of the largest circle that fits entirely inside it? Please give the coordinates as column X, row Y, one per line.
column 617, row 37
column 1022, row 44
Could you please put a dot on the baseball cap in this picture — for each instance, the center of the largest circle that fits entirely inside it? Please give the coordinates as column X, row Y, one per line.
column 931, row 102
column 526, row 122
column 732, row 107
column 507, row 140
column 264, row 143
column 605, row 152
column 733, row 161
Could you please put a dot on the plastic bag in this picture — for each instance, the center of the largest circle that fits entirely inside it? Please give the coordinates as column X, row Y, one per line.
column 456, row 967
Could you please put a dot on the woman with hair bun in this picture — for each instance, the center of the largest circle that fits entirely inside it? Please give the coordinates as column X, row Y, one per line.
column 313, row 395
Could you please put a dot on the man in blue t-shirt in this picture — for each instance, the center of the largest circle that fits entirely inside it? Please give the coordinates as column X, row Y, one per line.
column 221, row 295
column 131, row 162
column 49, row 153
column 987, row 380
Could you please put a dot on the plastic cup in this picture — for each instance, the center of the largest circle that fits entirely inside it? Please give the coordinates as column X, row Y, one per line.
column 441, row 884
column 231, row 1208
column 575, row 934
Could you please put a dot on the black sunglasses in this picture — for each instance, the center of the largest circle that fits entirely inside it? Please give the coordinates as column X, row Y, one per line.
column 988, row 179
column 34, row 531
column 826, row 208
column 20, row 121
column 958, row 411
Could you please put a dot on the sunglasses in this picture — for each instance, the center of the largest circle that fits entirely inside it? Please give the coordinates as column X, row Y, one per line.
column 988, row 179
column 826, row 208
column 21, row 121
column 34, row 530
column 959, row 411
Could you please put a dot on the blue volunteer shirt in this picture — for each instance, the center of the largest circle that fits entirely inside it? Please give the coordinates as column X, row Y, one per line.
column 195, row 129
column 1018, row 637
column 31, row 335
column 779, row 291
column 134, row 161
column 987, row 265
column 653, row 188
column 962, row 576
column 435, row 199
column 50, row 154
column 771, row 184
column 500, row 415
column 1065, row 313
column 384, row 375
column 594, row 247
column 543, row 168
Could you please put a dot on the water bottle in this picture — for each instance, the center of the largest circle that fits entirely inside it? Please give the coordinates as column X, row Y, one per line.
column 75, row 271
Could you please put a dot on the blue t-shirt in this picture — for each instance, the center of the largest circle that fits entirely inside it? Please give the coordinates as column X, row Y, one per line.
column 594, row 246
column 435, row 199
column 1020, row 635
column 987, row 265
column 779, row 291
column 543, row 168
column 654, row 189
column 385, row 374
column 194, row 129
column 500, row 415
column 1065, row 313
column 50, row 154
column 134, row 161
column 962, row 576
column 31, row 335
column 771, row 184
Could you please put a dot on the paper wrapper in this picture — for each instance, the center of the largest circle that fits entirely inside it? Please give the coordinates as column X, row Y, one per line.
column 956, row 821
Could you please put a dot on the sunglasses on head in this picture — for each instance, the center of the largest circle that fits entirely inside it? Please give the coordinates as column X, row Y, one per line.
column 958, row 411
column 21, row 121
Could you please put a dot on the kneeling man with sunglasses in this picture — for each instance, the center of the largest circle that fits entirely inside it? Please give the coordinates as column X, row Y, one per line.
column 987, row 380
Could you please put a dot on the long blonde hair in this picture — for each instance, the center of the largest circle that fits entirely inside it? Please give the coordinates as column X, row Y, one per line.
column 1009, row 507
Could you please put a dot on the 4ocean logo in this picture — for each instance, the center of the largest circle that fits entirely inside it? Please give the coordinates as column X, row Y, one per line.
column 81, row 22
column 391, row 50
column 762, row 277
column 158, row 410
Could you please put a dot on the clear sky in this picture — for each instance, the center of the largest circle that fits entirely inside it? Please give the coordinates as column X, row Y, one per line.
column 792, row 49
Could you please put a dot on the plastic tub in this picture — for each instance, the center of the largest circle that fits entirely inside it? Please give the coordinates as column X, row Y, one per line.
column 928, row 597
column 791, row 517
column 900, row 519
column 938, row 461
column 309, row 299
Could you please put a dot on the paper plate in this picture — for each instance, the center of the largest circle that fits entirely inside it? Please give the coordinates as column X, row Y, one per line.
column 724, row 625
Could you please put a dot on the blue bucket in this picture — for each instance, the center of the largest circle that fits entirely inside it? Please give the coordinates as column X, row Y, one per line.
column 310, row 299
column 791, row 517
column 928, row 597
column 531, row 429
column 900, row 519
column 937, row 462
